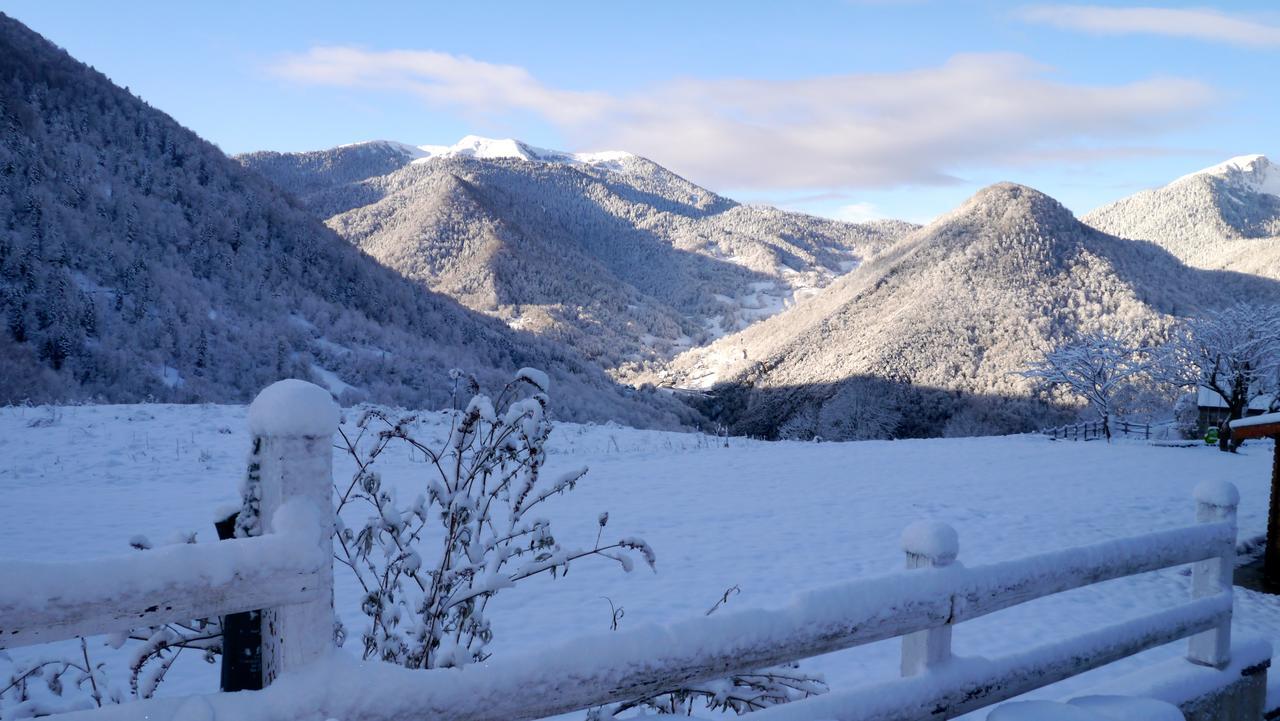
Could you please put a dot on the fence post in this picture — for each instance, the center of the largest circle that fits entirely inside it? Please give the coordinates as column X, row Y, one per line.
column 241, row 636
column 295, row 421
column 928, row 544
column 1216, row 501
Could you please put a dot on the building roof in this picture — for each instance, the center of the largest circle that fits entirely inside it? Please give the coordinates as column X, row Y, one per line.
column 1206, row 398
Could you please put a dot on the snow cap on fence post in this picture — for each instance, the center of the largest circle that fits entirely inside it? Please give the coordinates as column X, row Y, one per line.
column 293, row 423
column 1216, row 502
column 928, row 544
column 293, row 408
column 934, row 542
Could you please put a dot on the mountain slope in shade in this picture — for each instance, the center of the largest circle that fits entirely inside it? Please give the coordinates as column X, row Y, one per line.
column 608, row 253
column 1227, row 216
column 137, row 261
column 927, row 338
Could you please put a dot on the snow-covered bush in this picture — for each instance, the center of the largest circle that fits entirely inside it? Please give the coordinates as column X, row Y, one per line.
column 429, row 565
column 1186, row 416
column 57, row 676
column 740, row 693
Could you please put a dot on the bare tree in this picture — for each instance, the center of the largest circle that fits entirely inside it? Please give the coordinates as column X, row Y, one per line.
column 1094, row 367
column 1234, row 352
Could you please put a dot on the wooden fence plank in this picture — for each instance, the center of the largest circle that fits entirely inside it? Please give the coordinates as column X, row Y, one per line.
column 43, row 602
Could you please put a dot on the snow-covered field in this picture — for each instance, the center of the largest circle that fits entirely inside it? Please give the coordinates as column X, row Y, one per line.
column 770, row 518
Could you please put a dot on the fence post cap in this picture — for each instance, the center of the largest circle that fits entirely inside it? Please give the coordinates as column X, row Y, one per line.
column 293, row 408
column 934, row 540
column 1217, row 493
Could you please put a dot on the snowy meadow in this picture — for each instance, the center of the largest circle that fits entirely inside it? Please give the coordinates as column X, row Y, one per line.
column 769, row 519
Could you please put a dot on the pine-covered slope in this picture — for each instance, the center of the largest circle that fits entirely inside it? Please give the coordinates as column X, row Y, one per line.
column 927, row 338
column 1227, row 216
column 137, row 261
column 607, row 252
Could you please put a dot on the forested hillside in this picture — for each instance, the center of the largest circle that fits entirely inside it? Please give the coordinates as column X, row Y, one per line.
column 927, row 339
column 608, row 253
column 137, row 261
column 1227, row 216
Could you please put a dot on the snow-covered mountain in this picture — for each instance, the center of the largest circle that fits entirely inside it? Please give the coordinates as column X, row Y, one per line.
column 607, row 252
column 137, row 261
column 474, row 146
column 1226, row 216
column 1246, row 173
column 927, row 338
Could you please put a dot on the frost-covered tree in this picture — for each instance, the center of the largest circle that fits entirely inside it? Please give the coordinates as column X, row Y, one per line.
column 1096, row 368
column 1233, row 352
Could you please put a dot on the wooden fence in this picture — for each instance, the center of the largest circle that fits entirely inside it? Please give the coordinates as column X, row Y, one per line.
column 288, row 572
column 1092, row 431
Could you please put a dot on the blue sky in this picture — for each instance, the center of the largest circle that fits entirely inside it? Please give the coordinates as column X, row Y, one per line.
column 848, row 108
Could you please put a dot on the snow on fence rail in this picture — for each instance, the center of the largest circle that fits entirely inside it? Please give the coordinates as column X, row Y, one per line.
column 921, row 605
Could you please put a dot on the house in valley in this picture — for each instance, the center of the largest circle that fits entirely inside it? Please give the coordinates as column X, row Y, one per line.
column 1213, row 409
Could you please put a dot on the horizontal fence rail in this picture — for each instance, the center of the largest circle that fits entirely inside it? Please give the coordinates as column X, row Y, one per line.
column 1002, row 585
column 626, row 665
column 544, row 684
column 283, row 569
column 972, row 684
column 43, row 602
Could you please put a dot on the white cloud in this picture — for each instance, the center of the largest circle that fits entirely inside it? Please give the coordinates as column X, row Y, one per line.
column 854, row 130
column 442, row 79
column 1203, row 24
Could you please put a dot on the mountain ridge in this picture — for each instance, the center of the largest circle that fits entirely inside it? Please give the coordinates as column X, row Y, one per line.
column 928, row 337
column 1223, row 217
column 138, row 262
column 657, row 263
column 1255, row 173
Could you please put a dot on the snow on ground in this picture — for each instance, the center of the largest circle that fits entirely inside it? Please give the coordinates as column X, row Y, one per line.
column 331, row 381
column 773, row 519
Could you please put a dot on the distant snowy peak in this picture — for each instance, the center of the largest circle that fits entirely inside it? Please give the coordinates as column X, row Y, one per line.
column 474, row 146
column 1251, row 173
